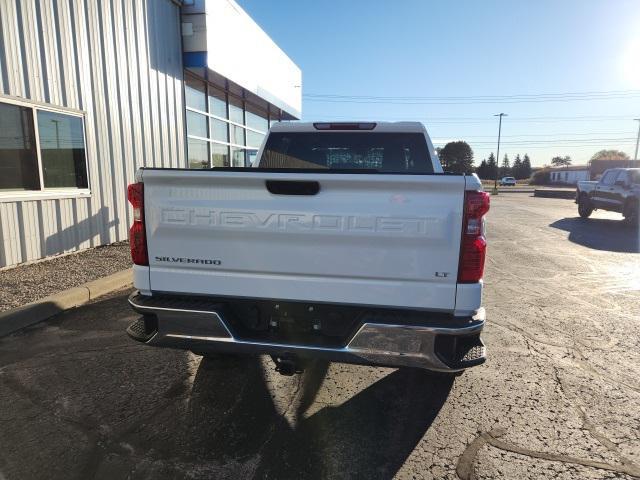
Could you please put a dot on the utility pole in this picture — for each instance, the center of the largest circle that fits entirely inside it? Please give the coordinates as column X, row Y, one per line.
column 495, row 183
column 635, row 157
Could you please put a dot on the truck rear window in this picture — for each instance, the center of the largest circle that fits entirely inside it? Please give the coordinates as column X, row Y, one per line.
column 385, row 152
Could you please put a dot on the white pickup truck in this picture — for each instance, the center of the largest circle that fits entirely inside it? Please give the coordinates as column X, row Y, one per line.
column 346, row 242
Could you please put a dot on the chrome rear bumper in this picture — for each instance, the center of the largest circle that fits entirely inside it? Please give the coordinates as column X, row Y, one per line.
column 441, row 346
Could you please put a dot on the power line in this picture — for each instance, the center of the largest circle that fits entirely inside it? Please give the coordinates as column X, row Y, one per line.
column 556, row 146
column 536, row 135
column 477, row 99
column 470, row 102
column 523, row 95
column 562, row 140
column 478, row 120
column 489, row 145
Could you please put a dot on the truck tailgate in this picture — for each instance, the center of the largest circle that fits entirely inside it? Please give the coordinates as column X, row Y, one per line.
column 369, row 239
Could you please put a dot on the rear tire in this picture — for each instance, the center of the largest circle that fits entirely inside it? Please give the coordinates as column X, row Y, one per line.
column 585, row 209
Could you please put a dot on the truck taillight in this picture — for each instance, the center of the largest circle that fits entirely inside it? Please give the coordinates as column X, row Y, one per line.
column 137, row 236
column 473, row 245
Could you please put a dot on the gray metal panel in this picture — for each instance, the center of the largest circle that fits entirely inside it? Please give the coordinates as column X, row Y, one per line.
column 121, row 63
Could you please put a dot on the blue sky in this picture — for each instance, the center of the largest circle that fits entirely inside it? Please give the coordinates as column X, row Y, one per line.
column 420, row 48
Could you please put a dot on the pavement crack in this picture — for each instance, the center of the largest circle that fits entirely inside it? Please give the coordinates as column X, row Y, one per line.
column 465, row 471
column 528, row 335
column 590, row 427
column 579, row 357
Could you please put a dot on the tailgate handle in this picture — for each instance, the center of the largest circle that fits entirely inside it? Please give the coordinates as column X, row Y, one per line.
column 293, row 187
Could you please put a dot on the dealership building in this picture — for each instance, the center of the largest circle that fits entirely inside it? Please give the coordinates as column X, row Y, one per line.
column 91, row 91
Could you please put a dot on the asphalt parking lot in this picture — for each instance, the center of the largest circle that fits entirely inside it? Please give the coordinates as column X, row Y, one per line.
column 559, row 396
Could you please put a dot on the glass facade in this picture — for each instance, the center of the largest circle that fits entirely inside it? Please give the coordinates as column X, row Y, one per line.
column 219, row 155
column 194, row 94
column 219, row 130
column 197, row 154
column 222, row 129
column 257, row 121
column 236, row 112
column 237, row 157
column 237, row 134
column 218, row 102
column 197, row 124
column 254, row 139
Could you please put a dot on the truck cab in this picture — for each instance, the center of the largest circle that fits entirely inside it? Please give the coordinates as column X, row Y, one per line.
column 618, row 190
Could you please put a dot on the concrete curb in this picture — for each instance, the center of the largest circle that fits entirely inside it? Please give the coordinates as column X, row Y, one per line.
column 518, row 190
column 40, row 310
column 569, row 194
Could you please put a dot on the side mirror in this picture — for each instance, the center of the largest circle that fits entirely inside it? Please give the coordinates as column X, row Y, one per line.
column 621, row 183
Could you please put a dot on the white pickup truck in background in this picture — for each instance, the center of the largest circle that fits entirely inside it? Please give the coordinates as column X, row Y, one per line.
column 347, row 242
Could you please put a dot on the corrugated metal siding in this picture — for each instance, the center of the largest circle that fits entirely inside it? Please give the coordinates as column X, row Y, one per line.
column 120, row 61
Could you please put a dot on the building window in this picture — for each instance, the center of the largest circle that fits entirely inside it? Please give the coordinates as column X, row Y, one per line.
column 198, row 154
column 257, row 120
column 219, row 155
column 254, row 139
column 197, row 124
column 237, row 134
column 237, row 157
column 217, row 102
column 236, row 112
column 18, row 156
column 251, row 157
column 222, row 130
column 194, row 94
column 62, row 150
column 60, row 162
column 219, row 130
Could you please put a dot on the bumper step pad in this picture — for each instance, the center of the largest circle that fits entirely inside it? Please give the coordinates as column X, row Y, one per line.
column 143, row 329
column 460, row 352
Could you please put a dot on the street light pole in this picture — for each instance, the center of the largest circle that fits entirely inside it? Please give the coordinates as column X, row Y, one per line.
column 635, row 157
column 495, row 183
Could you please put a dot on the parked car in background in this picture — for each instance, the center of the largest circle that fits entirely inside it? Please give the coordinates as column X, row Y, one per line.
column 618, row 190
column 507, row 182
column 347, row 242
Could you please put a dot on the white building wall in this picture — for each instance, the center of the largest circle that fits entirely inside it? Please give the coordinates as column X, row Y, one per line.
column 119, row 62
column 569, row 177
column 252, row 60
column 239, row 50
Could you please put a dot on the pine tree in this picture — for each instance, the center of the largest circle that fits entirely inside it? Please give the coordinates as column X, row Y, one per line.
column 505, row 168
column 526, row 167
column 492, row 167
column 483, row 170
column 516, row 169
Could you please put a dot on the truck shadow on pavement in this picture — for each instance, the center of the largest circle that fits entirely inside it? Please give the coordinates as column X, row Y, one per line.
column 369, row 435
column 601, row 234
column 81, row 400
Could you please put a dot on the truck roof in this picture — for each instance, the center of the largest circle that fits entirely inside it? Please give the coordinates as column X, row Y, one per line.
column 411, row 127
